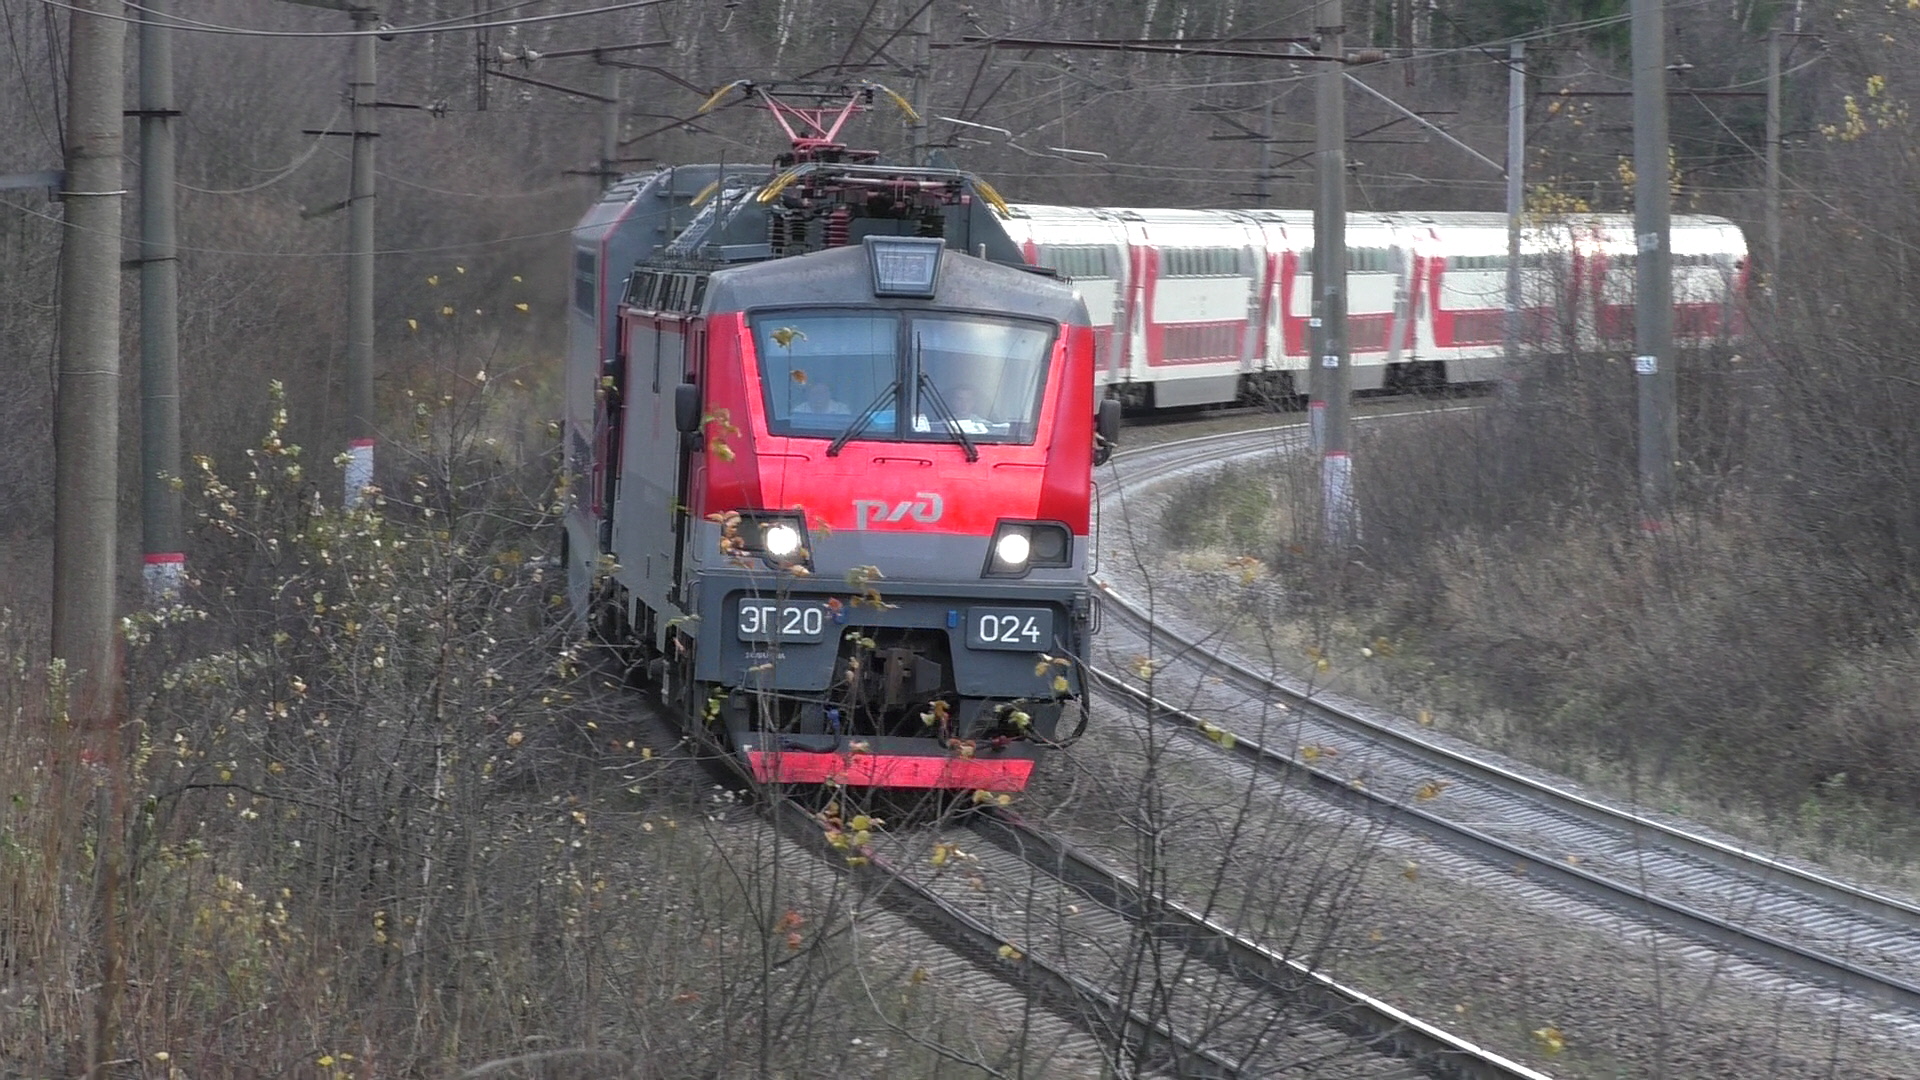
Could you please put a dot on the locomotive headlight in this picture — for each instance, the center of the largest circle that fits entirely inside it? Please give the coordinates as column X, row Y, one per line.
column 1012, row 549
column 1019, row 546
column 778, row 538
column 781, row 540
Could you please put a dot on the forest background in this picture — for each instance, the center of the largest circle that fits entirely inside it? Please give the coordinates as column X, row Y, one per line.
column 1761, row 651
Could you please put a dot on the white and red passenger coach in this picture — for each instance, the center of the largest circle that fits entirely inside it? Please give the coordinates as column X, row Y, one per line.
column 1196, row 307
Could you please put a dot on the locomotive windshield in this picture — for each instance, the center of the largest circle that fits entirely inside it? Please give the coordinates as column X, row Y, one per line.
column 911, row 376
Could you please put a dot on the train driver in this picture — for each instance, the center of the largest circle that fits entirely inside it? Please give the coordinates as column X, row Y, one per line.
column 966, row 405
column 819, row 401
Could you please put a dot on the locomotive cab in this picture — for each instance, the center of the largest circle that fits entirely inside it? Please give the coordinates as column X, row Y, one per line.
column 852, row 521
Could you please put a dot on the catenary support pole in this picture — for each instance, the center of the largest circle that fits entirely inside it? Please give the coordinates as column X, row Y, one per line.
column 366, row 117
column 1331, row 377
column 922, row 79
column 609, row 123
column 1773, row 158
column 1653, row 265
column 159, row 314
column 1263, row 187
column 86, row 426
column 1516, row 205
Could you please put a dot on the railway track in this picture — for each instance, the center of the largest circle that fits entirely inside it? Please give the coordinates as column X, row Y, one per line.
column 1862, row 945
column 1073, row 933
column 1009, row 902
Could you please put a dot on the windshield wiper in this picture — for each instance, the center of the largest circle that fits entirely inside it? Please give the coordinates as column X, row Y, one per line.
column 860, row 422
column 932, row 394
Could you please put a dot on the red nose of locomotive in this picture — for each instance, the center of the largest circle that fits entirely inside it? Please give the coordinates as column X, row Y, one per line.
column 889, row 516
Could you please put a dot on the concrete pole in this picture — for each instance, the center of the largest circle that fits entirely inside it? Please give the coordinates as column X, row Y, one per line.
column 609, row 124
column 1263, row 188
column 1773, row 159
column 923, row 80
column 159, row 314
column 1516, row 206
column 360, row 409
column 1653, row 268
column 86, row 424
column 482, row 53
column 1332, row 377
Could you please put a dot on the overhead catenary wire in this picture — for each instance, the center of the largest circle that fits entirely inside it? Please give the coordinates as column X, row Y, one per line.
column 438, row 26
column 430, row 249
column 293, row 167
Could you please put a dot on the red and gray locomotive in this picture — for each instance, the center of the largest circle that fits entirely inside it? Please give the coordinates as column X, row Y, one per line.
column 832, row 446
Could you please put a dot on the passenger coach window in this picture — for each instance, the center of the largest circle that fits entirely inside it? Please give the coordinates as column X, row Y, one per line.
column 924, row 375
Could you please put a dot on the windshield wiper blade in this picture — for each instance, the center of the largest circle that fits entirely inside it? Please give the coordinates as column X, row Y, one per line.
column 952, row 421
column 860, row 422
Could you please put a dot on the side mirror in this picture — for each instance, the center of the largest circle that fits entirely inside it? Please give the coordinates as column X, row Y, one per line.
column 686, row 408
column 1106, row 430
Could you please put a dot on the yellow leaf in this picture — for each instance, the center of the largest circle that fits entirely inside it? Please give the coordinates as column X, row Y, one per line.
column 1008, row 952
column 1060, row 684
column 1411, row 871
column 1550, row 1040
column 1430, row 790
column 1425, row 718
column 723, row 451
column 433, row 279
column 785, row 336
column 413, row 324
column 515, row 738
column 448, row 310
column 522, row 308
column 325, row 1061
column 516, row 277
column 860, row 823
column 919, row 976
column 459, row 269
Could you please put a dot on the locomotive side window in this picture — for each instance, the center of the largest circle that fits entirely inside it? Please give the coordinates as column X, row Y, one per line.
column 585, row 268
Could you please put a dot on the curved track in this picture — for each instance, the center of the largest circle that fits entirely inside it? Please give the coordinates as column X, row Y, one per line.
column 1796, row 920
column 1061, row 926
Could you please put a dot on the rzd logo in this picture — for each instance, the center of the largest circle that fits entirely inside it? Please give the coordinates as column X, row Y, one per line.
column 925, row 507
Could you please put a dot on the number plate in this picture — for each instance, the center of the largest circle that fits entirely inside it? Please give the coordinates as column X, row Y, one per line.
column 1025, row 629
column 769, row 620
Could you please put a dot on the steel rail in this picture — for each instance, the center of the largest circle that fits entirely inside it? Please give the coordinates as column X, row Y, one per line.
column 1707, row 849
column 1531, row 864
column 1214, row 448
column 1072, row 998
column 1433, row 1050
